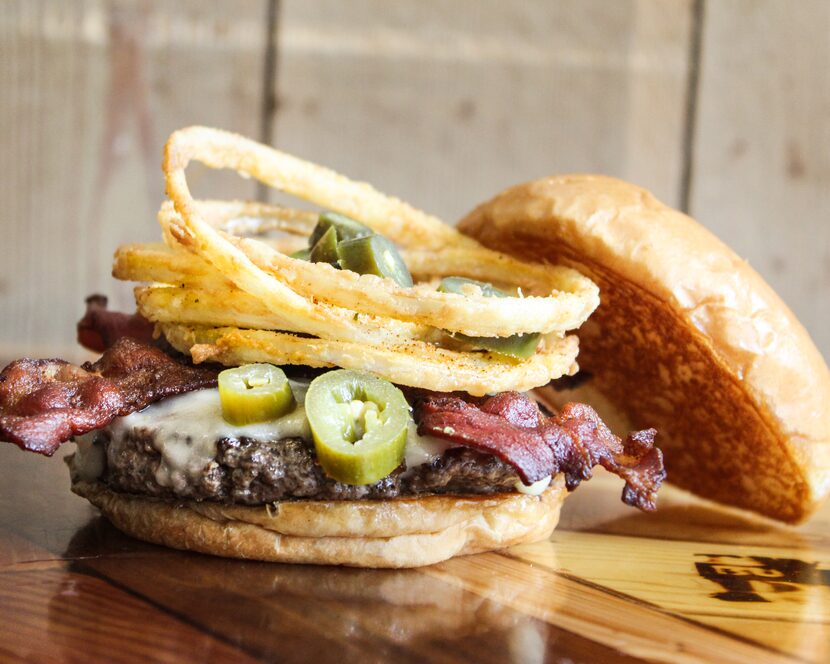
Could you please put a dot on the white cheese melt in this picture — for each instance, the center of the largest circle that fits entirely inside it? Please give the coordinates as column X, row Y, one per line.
column 422, row 449
column 186, row 428
column 88, row 463
column 534, row 489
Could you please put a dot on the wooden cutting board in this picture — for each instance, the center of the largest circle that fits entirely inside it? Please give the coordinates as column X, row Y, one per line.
column 691, row 583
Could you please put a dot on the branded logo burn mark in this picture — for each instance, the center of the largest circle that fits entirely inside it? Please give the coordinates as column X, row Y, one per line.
column 745, row 578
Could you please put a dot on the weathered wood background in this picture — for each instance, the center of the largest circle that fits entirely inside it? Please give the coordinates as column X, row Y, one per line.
column 721, row 108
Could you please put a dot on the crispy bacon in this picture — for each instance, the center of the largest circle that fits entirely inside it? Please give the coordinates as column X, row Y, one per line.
column 511, row 427
column 99, row 328
column 44, row 403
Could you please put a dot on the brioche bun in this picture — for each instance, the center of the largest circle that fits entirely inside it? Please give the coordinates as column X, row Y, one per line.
column 688, row 339
column 402, row 532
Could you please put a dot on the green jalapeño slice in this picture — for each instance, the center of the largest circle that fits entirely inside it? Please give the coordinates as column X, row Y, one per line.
column 520, row 346
column 374, row 255
column 325, row 249
column 254, row 393
column 345, row 227
column 359, row 424
column 456, row 285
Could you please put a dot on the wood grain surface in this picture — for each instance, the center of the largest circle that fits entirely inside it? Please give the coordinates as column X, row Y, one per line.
column 690, row 583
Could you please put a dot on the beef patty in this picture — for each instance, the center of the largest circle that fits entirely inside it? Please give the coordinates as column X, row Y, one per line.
column 252, row 472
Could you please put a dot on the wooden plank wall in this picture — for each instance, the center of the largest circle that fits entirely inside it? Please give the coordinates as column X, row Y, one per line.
column 761, row 156
column 91, row 89
column 721, row 107
column 447, row 108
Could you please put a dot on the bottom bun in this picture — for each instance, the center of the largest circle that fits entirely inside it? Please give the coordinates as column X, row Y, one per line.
column 403, row 532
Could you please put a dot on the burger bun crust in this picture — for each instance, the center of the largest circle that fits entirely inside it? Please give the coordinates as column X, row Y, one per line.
column 688, row 338
column 396, row 533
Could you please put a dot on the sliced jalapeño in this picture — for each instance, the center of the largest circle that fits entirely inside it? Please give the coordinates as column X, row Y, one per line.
column 254, row 393
column 359, row 425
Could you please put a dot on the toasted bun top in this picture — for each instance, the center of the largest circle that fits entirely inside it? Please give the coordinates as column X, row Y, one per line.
column 688, row 338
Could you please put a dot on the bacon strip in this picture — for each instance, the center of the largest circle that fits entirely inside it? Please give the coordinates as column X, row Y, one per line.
column 44, row 403
column 99, row 328
column 511, row 427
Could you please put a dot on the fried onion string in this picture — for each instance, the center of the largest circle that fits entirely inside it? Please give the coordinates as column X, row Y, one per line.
column 223, row 288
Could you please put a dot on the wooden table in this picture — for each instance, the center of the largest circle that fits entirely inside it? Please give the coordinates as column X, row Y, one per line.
column 689, row 583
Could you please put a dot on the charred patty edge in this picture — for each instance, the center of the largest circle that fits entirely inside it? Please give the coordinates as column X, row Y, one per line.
column 253, row 472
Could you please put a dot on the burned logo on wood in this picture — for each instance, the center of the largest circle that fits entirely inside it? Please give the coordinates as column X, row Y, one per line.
column 750, row 578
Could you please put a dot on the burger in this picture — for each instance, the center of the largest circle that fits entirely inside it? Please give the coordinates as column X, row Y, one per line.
column 367, row 386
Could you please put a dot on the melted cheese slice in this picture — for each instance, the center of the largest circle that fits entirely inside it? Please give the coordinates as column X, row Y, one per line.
column 185, row 430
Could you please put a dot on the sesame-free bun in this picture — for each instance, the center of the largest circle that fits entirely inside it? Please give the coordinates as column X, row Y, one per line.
column 401, row 532
column 688, row 338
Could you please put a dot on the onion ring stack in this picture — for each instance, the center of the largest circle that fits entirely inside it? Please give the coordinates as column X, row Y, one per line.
column 221, row 291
